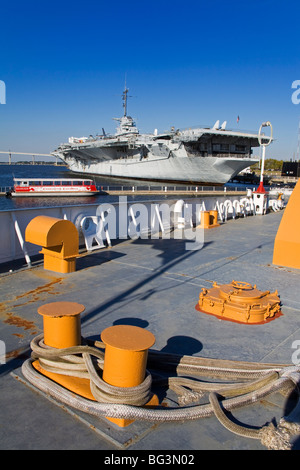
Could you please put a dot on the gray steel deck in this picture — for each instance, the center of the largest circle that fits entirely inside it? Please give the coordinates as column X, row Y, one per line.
column 154, row 284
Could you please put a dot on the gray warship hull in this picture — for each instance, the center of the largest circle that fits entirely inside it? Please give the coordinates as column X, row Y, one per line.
column 204, row 171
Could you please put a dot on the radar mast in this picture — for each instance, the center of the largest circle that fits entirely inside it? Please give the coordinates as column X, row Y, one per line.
column 124, row 97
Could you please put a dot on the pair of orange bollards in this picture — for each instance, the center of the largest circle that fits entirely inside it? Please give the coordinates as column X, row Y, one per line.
column 126, row 350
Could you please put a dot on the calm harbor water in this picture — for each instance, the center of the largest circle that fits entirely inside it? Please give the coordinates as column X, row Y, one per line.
column 8, row 172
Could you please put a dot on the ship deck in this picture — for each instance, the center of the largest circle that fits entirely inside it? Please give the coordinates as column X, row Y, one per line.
column 154, row 284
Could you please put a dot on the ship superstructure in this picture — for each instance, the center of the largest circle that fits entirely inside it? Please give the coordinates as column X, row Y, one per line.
column 204, row 155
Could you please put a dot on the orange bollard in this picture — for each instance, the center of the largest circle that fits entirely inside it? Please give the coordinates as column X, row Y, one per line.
column 125, row 358
column 126, row 353
column 213, row 216
column 62, row 328
column 205, row 219
column 209, row 219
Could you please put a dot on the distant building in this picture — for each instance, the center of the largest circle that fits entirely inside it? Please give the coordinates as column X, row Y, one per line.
column 290, row 169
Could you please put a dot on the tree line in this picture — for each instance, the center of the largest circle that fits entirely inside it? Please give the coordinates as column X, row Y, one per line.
column 270, row 164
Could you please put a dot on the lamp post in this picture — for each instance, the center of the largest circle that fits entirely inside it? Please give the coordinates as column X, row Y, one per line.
column 267, row 141
column 260, row 196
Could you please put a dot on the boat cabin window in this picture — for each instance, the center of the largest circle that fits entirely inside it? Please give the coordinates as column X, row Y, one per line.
column 48, row 183
column 35, row 183
column 66, row 183
column 77, row 183
column 88, row 183
column 57, row 183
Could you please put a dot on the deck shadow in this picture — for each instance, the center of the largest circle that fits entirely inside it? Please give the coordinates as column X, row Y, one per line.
column 172, row 252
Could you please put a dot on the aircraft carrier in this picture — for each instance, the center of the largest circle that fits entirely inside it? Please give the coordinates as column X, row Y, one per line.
column 200, row 155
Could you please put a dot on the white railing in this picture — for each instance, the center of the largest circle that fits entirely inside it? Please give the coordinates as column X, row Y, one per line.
column 172, row 189
column 99, row 224
column 158, row 188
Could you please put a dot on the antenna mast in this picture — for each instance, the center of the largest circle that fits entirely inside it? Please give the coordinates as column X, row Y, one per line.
column 124, row 96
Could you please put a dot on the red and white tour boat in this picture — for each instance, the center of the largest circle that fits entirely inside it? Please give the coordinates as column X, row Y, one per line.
column 53, row 187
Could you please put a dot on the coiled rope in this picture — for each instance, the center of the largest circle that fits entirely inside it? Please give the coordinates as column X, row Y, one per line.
column 255, row 381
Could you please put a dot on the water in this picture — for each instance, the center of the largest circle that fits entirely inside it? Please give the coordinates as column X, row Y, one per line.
column 8, row 172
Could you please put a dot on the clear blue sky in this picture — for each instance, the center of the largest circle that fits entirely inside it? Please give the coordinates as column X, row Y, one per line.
column 187, row 63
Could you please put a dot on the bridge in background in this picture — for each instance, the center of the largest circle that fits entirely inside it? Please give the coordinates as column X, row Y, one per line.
column 26, row 154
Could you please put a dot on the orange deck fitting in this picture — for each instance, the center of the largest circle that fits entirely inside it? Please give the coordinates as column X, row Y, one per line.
column 59, row 240
column 287, row 241
column 61, row 321
column 126, row 352
column 240, row 302
column 209, row 219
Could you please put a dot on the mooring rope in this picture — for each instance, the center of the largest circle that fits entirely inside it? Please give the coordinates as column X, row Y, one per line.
column 254, row 381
